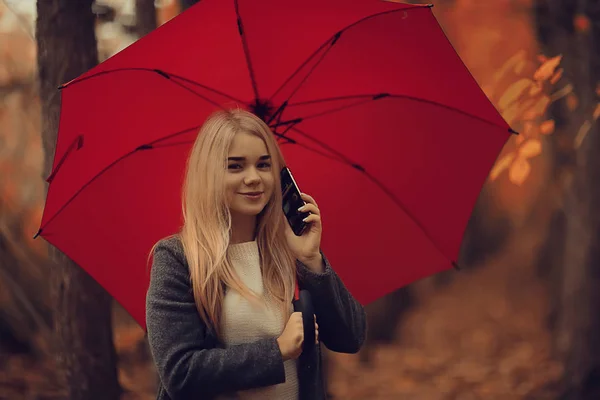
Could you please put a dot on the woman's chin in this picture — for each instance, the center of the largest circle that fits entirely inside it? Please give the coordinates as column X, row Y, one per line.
column 249, row 211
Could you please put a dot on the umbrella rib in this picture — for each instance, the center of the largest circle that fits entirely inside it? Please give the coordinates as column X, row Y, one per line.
column 150, row 146
column 381, row 186
column 164, row 74
column 332, row 40
column 246, row 50
column 378, row 96
column 313, row 68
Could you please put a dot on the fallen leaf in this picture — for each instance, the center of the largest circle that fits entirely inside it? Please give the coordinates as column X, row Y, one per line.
column 530, row 148
column 519, row 171
column 513, row 92
column 547, row 127
column 546, row 70
column 500, row 165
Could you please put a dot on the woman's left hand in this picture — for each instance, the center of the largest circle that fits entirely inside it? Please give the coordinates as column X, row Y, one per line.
column 306, row 248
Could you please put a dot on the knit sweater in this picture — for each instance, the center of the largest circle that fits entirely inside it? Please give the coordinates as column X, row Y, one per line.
column 245, row 322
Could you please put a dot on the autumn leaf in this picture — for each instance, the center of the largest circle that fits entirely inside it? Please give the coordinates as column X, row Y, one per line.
column 547, row 127
column 582, row 23
column 572, row 102
column 535, row 89
column 582, row 133
column 519, row 171
column 555, row 78
column 513, row 92
column 511, row 113
column 538, row 109
column 514, row 61
column 530, row 148
column 520, row 66
column 502, row 164
column 562, row 92
column 528, row 129
column 546, row 70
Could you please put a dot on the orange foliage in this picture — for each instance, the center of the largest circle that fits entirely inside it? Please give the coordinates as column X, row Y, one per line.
column 582, row 23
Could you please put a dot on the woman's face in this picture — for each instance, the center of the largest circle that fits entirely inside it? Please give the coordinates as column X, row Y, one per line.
column 249, row 180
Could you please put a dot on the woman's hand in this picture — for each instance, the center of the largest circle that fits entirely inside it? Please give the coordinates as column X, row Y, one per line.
column 292, row 337
column 306, row 247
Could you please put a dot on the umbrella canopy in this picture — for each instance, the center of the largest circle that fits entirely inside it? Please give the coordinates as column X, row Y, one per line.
column 377, row 116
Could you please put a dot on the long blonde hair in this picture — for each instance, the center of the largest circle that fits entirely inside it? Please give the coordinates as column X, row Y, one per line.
column 205, row 234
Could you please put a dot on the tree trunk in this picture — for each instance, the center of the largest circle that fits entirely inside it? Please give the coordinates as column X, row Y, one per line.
column 572, row 254
column 82, row 309
column 145, row 17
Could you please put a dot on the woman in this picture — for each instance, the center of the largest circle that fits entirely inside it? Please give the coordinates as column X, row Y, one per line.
column 219, row 313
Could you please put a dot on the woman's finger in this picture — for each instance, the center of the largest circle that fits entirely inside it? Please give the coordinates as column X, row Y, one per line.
column 311, row 208
column 312, row 218
column 308, row 199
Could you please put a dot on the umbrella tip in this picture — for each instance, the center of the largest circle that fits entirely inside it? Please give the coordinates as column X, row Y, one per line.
column 511, row 130
column 455, row 266
column 430, row 5
column 37, row 234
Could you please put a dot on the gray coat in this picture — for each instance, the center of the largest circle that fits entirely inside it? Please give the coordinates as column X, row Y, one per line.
column 193, row 364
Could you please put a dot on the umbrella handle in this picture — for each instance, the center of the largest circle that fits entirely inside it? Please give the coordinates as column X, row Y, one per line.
column 303, row 303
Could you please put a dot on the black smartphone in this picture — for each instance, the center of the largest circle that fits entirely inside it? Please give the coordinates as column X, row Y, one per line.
column 292, row 201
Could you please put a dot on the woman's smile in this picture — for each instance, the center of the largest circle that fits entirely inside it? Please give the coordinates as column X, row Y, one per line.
column 252, row 195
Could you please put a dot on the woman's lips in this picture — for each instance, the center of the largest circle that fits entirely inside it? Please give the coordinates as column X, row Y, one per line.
column 252, row 195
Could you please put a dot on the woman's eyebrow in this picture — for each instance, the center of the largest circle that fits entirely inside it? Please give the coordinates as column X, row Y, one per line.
column 261, row 158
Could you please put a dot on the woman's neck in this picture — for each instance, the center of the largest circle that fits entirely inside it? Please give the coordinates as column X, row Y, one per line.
column 243, row 228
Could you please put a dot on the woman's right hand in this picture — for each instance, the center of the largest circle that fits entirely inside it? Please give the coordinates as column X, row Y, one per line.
column 292, row 337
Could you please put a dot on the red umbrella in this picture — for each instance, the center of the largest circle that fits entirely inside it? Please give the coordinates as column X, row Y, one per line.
column 378, row 118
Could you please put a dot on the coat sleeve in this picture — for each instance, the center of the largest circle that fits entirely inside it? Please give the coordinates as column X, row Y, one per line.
column 341, row 318
column 188, row 360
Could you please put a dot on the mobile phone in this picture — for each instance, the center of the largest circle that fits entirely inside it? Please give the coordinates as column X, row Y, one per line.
column 292, row 201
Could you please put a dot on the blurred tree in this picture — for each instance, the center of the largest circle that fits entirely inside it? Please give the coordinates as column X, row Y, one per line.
column 145, row 17
column 81, row 308
column 571, row 256
column 185, row 4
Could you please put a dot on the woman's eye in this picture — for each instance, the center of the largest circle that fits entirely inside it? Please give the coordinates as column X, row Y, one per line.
column 234, row 166
column 264, row 165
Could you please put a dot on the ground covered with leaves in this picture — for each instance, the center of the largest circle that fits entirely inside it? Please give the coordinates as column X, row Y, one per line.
column 483, row 336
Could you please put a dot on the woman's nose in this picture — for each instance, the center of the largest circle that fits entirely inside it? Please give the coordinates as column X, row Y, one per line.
column 252, row 177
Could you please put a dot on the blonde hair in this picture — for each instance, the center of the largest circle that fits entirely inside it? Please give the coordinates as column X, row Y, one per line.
column 206, row 231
